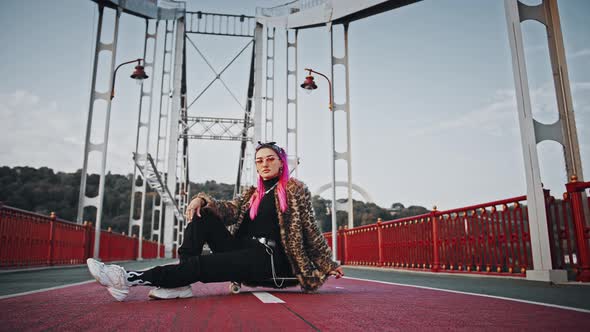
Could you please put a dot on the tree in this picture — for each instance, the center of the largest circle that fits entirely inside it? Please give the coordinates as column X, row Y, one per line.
column 44, row 191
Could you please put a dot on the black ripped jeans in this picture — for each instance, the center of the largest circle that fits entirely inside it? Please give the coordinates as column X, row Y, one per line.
column 232, row 259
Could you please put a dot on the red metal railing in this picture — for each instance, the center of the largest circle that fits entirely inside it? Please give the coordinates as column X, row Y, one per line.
column 341, row 248
column 490, row 238
column 31, row 239
column 569, row 229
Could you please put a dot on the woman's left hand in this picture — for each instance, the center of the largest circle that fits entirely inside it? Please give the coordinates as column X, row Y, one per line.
column 337, row 272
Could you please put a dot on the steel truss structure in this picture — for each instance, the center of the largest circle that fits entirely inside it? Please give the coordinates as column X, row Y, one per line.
column 168, row 173
column 533, row 132
column 313, row 13
column 219, row 128
column 96, row 201
column 172, row 13
column 138, row 188
column 161, row 137
column 224, row 129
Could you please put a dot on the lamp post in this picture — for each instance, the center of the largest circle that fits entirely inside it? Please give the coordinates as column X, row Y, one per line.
column 138, row 74
column 309, row 84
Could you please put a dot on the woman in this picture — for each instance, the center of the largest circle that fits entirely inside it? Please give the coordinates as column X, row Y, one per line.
column 268, row 232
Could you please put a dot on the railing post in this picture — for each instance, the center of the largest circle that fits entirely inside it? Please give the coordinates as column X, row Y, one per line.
column 51, row 238
column 380, row 241
column 139, row 247
column 574, row 189
column 92, row 232
column 434, row 220
column 135, row 241
column 552, row 227
column 109, row 244
column 85, row 240
column 338, row 245
column 345, row 244
column 88, row 236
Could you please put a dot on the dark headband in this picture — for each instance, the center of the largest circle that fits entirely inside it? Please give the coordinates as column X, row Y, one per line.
column 270, row 145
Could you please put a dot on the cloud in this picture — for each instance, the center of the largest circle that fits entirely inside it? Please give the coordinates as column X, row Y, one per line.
column 21, row 98
column 495, row 118
column 581, row 53
column 544, row 48
column 534, row 49
column 581, row 99
column 580, row 86
column 38, row 132
column 499, row 116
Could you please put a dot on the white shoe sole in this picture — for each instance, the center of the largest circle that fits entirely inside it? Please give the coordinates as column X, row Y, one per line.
column 173, row 293
column 118, row 294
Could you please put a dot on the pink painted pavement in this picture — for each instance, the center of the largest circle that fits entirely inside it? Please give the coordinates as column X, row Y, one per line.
column 343, row 305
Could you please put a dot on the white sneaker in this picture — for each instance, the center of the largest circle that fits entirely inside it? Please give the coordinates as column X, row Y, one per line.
column 171, row 293
column 112, row 276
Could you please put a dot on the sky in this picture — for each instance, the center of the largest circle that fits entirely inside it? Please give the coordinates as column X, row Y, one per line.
column 433, row 112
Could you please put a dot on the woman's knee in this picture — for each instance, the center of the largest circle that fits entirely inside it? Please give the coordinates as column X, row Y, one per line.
column 205, row 218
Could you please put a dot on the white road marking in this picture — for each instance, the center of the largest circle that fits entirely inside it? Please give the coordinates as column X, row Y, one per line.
column 267, row 297
column 46, row 289
column 58, row 287
column 475, row 294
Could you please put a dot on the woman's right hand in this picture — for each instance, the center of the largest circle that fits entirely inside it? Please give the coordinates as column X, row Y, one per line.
column 194, row 207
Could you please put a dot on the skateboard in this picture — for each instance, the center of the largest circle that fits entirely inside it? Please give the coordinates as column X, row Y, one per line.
column 236, row 286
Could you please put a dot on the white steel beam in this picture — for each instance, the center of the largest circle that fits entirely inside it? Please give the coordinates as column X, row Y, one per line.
column 312, row 13
column 97, row 201
column 537, row 216
column 269, row 108
column 173, row 131
column 345, row 107
column 142, row 143
column 258, row 79
column 291, row 118
column 164, row 110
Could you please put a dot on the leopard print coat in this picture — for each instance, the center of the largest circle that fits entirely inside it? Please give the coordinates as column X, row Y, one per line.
column 306, row 248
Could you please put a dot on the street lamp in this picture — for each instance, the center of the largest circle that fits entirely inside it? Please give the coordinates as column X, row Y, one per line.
column 309, row 84
column 138, row 74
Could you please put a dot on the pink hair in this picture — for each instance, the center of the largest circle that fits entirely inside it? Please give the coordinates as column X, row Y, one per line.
column 281, row 187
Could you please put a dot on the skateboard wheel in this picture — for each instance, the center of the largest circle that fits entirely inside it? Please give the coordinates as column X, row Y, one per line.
column 234, row 287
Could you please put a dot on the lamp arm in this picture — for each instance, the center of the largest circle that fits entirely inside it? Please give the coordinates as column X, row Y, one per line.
column 115, row 74
column 331, row 104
